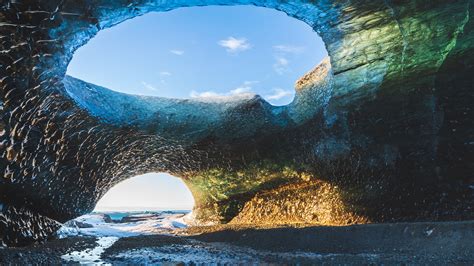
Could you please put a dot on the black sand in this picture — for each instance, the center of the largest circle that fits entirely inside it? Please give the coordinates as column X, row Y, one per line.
column 390, row 244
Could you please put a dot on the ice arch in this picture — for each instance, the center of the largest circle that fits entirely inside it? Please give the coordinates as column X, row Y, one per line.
column 380, row 132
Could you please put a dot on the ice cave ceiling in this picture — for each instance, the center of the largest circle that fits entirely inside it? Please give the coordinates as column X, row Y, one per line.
column 382, row 131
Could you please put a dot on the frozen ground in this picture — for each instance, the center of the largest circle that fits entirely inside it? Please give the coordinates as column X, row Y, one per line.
column 108, row 231
column 152, row 241
column 440, row 243
column 195, row 252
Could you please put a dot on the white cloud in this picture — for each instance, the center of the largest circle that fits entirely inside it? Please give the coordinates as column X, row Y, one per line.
column 213, row 96
column 177, row 52
column 234, row 45
column 281, row 65
column 149, row 86
column 278, row 94
column 282, row 51
column 165, row 73
column 246, row 87
column 205, row 94
column 242, row 91
column 291, row 49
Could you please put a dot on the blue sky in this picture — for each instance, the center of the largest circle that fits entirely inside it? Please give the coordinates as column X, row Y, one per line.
column 201, row 52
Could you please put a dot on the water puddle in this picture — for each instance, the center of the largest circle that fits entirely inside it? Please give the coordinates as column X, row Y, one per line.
column 91, row 255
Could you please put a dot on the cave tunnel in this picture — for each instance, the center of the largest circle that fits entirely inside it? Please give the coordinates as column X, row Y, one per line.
column 381, row 131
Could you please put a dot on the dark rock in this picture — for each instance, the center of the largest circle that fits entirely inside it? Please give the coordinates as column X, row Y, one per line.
column 107, row 218
column 133, row 219
column 74, row 223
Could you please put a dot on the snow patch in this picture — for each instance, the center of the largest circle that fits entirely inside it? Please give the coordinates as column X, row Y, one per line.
column 158, row 223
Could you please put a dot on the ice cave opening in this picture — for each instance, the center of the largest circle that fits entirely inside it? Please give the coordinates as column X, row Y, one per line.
column 148, row 192
column 211, row 52
column 149, row 203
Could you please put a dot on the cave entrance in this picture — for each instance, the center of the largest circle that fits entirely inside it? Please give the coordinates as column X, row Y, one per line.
column 149, row 203
column 207, row 53
column 149, row 192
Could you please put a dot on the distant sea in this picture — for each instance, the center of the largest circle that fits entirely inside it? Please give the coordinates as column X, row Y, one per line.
column 117, row 213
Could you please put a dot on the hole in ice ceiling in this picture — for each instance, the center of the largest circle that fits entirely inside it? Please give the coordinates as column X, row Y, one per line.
column 202, row 52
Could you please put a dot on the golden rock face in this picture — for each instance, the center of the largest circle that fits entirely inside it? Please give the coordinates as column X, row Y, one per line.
column 304, row 203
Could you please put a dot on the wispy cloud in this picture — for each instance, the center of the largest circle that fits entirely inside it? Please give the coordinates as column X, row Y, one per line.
column 231, row 95
column 291, row 49
column 149, row 86
column 177, row 52
column 246, row 87
column 281, row 53
column 234, row 45
column 281, row 65
column 163, row 77
column 278, row 94
column 205, row 94
column 243, row 91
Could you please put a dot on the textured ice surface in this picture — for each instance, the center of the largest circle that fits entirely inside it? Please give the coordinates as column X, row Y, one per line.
column 179, row 119
column 122, row 108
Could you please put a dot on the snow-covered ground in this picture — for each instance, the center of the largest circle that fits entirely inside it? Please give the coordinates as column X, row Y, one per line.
column 154, row 223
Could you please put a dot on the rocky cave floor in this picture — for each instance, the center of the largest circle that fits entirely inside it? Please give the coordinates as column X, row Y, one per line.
column 389, row 244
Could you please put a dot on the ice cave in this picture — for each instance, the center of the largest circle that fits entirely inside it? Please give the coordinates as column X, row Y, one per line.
column 380, row 131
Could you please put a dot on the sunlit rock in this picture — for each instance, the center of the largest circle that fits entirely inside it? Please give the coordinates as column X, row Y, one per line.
column 382, row 132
